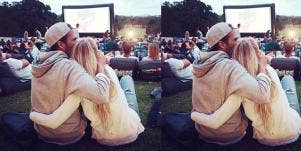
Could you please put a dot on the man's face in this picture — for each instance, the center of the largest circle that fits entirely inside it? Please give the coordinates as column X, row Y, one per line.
column 232, row 40
column 70, row 41
column 228, row 45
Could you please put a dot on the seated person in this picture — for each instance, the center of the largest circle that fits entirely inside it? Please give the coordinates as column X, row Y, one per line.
column 153, row 55
column 127, row 49
column 180, row 68
column 113, row 123
column 21, row 68
column 193, row 51
column 288, row 49
column 32, row 51
column 275, row 123
column 176, row 76
column 153, row 52
column 9, row 83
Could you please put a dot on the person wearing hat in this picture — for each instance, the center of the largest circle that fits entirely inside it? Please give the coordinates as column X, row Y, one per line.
column 216, row 77
column 55, row 77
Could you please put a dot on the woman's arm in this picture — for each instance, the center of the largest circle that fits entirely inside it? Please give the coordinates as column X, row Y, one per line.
column 221, row 115
column 60, row 115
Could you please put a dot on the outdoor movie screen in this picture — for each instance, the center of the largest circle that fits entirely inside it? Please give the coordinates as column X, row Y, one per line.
column 90, row 20
column 251, row 20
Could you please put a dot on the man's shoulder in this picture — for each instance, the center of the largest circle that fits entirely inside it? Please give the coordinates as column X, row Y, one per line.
column 11, row 60
column 229, row 64
column 69, row 64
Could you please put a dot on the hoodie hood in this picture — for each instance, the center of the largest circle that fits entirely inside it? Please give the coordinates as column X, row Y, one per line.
column 207, row 61
column 45, row 61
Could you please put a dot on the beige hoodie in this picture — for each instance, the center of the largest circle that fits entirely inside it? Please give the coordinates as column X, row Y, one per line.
column 216, row 77
column 54, row 78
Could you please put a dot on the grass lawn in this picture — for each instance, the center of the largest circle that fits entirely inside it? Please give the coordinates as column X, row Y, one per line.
column 150, row 139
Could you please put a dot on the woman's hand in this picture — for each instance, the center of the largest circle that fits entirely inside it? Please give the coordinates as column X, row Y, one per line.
column 101, row 62
column 263, row 62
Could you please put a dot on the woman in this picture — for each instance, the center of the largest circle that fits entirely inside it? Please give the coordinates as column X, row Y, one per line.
column 274, row 123
column 127, row 49
column 153, row 52
column 113, row 123
column 288, row 50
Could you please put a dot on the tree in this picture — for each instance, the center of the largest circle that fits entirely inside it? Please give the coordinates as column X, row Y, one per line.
column 27, row 15
column 188, row 15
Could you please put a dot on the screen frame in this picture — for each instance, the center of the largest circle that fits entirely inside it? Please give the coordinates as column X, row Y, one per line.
column 258, row 34
column 111, row 9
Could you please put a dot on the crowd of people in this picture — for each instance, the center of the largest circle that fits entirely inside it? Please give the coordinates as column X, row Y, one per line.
column 75, row 71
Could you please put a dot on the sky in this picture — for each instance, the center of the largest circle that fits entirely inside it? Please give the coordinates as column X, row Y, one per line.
column 153, row 7
column 282, row 7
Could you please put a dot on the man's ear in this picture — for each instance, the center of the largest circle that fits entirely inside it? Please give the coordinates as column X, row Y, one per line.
column 222, row 45
column 60, row 44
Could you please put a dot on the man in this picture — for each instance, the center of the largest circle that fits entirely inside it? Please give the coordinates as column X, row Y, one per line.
column 217, row 76
column 21, row 68
column 181, row 68
column 55, row 77
column 9, row 83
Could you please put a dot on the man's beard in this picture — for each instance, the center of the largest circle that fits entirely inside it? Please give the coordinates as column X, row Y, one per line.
column 230, row 52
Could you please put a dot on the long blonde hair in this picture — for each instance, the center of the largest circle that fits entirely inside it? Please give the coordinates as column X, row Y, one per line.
column 153, row 51
column 246, row 53
column 84, row 52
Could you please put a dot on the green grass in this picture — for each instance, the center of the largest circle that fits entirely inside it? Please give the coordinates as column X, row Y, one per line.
column 150, row 140
column 182, row 102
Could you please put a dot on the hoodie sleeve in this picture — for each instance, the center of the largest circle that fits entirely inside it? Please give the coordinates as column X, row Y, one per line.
column 80, row 83
column 243, row 84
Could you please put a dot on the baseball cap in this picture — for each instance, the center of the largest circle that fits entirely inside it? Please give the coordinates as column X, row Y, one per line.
column 217, row 32
column 56, row 32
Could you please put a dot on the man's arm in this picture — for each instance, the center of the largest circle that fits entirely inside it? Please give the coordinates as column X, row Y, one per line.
column 25, row 63
column 221, row 115
column 60, row 115
column 186, row 63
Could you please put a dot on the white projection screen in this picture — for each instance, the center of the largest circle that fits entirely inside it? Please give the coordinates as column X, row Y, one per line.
column 252, row 19
column 91, row 19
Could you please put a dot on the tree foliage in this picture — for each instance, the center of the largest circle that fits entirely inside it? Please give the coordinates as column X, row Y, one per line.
column 190, row 15
column 30, row 15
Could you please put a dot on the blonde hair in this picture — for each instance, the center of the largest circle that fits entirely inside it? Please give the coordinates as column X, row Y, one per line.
column 153, row 51
column 84, row 52
column 246, row 53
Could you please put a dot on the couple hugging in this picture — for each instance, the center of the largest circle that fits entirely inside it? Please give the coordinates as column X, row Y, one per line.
column 233, row 83
column 74, row 73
